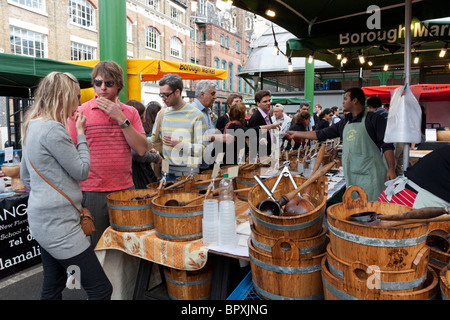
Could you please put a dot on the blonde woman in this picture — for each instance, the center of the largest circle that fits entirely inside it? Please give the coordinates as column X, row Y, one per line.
column 53, row 221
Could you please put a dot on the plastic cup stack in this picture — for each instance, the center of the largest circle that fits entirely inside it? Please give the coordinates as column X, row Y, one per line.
column 227, row 224
column 210, row 222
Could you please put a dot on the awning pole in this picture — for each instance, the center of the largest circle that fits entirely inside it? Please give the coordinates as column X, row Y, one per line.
column 408, row 14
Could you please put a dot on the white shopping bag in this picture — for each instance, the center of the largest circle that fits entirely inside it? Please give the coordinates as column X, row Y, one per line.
column 405, row 117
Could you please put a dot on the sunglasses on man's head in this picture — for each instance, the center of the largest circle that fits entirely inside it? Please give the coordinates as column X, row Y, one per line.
column 99, row 82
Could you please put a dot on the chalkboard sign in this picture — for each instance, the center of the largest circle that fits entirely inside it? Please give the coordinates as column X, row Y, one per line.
column 18, row 249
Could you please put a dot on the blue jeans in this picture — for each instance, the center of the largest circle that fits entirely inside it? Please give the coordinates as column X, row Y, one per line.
column 91, row 275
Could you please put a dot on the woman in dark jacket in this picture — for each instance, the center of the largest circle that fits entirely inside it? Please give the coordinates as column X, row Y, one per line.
column 324, row 119
column 301, row 123
column 236, row 127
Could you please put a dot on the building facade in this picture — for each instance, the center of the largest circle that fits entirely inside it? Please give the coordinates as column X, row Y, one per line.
column 213, row 35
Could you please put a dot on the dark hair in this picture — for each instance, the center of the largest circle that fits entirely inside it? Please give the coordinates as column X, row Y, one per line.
column 334, row 108
column 152, row 110
column 302, row 117
column 174, row 82
column 357, row 93
column 137, row 105
column 108, row 69
column 237, row 112
column 261, row 94
column 325, row 112
column 374, row 102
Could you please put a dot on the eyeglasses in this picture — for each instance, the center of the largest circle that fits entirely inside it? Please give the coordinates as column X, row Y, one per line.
column 165, row 96
column 99, row 82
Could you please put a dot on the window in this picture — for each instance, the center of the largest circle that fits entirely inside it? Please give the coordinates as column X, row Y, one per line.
column 217, row 66
column 224, row 82
column 34, row 4
column 129, row 31
column 226, row 42
column 230, row 76
column 28, row 43
column 176, row 14
column 152, row 38
column 82, row 13
column 222, row 40
column 175, row 47
column 238, row 47
column 80, row 51
column 239, row 80
column 154, row 4
column 249, row 50
column 203, row 35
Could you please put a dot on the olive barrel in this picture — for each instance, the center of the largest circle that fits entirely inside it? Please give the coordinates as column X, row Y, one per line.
column 389, row 248
column 178, row 223
column 189, row 285
column 295, row 227
column 127, row 215
column 283, row 275
column 445, row 283
column 336, row 288
column 245, row 179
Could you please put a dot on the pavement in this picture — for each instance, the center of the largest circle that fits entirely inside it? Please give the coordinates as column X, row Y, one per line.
column 27, row 285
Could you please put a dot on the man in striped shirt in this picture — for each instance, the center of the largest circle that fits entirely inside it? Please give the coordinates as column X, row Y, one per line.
column 183, row 128
column 112, row 130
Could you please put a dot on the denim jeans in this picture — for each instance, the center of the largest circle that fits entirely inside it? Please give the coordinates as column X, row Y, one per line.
column 88, row 271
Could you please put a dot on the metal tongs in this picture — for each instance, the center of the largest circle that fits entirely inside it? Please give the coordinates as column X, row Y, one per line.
column 285, row 173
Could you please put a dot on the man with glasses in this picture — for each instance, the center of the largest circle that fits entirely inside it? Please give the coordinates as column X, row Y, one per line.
column 112, row 130
column 182, row 128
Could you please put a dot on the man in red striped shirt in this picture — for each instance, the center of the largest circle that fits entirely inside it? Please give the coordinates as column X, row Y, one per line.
column 112, row 130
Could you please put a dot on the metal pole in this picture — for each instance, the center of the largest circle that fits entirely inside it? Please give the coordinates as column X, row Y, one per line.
column 408, row 14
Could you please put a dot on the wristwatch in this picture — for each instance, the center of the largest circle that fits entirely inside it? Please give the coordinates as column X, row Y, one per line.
column 125, row 124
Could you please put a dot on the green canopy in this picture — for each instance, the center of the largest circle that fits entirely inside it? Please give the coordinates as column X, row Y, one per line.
column 20, row 75
column 312, row 19
column 284, row 100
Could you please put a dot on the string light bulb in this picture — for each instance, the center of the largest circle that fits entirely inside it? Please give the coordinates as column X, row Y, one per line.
column 386, row 67
column 416, row 59
column 311, row 57
column 443, row 51
column 339, row 55
column 290, row 66
column 370, row 63
column 270, row 13
column 344, row 60
column 361, row 57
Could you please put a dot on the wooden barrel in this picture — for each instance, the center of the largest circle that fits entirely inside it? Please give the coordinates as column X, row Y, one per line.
column 283, row 275
column 393, row 248
column 181, row 223
column 154, row 186
column 189, row 285
column 245, row 179
column 337, row 289
column 370, row 277
column 294, row 227
column 445, row 283
column 308, row 247
column 195, row 188
column 130, row 215
column 438, row 257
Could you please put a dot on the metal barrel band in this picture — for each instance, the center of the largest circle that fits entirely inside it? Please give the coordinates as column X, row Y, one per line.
column 437, row 262
column 179, row 237
column 336, row 292
column 443, row 296
column 292, row 227
column 188, row 283
column 129, row 208
column 272, row 296
column 131, row 228
column 377, row 242
column 248, row 183
column 177, row 214
column 285, row 270
column 388, row 286
column 175, row 298
column 307, row 250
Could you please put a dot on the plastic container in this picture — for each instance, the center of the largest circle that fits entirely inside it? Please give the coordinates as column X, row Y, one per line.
column 16, row 157
column 210, row 222
column 227, row 225
column 226, row 188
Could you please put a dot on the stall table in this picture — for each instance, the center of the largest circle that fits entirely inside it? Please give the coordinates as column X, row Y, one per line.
column 137, row 252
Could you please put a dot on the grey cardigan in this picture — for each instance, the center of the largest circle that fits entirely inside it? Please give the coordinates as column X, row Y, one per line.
column 53, row 221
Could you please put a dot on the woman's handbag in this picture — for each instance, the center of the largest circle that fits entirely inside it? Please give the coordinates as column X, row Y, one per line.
column 86, row 219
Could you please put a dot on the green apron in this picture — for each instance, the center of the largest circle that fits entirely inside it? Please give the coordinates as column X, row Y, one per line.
column 362, row 160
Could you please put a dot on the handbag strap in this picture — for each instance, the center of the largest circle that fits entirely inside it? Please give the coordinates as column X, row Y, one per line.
column 55, row 187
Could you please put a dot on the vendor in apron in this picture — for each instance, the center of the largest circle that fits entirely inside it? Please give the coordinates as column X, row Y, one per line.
column 363, row 147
